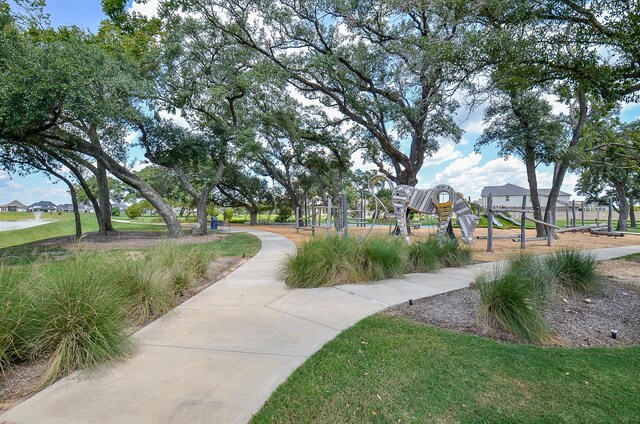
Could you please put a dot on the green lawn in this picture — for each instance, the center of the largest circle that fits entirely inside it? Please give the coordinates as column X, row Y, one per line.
column 389, row 370
column 63, row 226
column 635, row 257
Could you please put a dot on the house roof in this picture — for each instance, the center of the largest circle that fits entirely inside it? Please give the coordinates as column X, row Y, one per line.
column 44, row 204
column 15, row 204
column 504, row 190
column 65, row 206
column 514, row 190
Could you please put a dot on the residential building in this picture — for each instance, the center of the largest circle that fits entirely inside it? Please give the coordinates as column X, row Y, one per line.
column 510, row 196
column 43, row 206
column 14, row 206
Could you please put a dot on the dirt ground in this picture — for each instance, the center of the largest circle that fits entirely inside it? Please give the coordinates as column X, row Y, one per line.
column 501, row 248
column 576, row 321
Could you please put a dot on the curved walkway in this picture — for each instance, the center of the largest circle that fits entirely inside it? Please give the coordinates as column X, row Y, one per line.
column 218, row 357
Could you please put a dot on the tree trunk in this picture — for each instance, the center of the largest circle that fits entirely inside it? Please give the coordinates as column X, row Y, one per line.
column 203, row 202
column 76, row 210
column 560, row 169
column 632, row 212
column 254, row 216
column 164, row 210
column 102, row 229
column 623, row 203
column 104, row 197
column 530, row 163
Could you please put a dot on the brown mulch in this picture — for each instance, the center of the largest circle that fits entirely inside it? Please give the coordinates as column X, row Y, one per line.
column 576, row 321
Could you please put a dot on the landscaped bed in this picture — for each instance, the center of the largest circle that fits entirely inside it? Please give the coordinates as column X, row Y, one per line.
column 76, row 309
column 392, row 368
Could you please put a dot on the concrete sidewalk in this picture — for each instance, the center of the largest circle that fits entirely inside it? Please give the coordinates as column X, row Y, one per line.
column 218, row 357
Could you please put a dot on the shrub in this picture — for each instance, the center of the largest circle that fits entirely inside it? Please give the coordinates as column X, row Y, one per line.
column 324, row 262
column 508, row 301
column 384, row 258
column 228, row 214
column 575, row 270
column 284, row 214
column 76, row 318
column 134, row 211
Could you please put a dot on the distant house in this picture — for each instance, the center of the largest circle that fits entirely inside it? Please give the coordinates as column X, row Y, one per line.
column 14, row 206
column 88, row 208
column 119, row 206
column 67, row 207
column 510, row 195
column 43, row 206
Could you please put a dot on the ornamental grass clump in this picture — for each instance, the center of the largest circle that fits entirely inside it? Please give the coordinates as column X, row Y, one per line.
column 13, row 309
column 537, row 271
column 324, row 262
column 76, row 319
column 435, row 253
column 384, row 258
column 509, row 299
column 575, row 271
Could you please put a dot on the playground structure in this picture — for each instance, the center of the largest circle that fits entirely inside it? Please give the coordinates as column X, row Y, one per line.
column 596, row 229
column 441, row 201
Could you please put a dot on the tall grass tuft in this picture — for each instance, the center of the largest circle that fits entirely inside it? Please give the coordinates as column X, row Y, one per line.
column 384, row 258
column 542, row 278
column 435, row 253
column 13, row 308
column 324, row 262
column 76, row 319
column 575, row 270
column 147, row 291
column 508, row 300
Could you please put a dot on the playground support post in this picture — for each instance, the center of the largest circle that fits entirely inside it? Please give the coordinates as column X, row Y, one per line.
column 609, row 227
column 489, row 223
column 566, row 212
column 306, row 212
column 573, row 211
column 313, row 212
column 582, row 213
column 345, row 211
column 523, row 223
column 329, row 216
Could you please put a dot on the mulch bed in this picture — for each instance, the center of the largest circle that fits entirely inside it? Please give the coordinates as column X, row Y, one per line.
column 576, row 321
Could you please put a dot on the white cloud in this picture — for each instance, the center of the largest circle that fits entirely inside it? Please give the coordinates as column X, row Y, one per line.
column 469, row 176
column 139, row 165
column 475, row 126
column 148, row 9
column 4, row 175
column 447, row 152
column 132, row 137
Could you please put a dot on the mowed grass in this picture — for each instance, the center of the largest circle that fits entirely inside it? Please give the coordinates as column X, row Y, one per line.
column 635, row 257
column 390, row 370
column 64, row 226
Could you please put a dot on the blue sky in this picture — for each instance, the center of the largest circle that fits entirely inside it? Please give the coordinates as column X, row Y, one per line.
column 457, row 164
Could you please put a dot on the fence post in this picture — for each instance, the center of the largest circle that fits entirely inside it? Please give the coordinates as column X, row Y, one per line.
column 609, row 227
column 328, row 216
column 523, row 223
column 490, row 223
column 345, row 213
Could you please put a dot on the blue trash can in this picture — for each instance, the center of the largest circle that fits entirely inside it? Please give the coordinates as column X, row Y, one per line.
column 214, row 223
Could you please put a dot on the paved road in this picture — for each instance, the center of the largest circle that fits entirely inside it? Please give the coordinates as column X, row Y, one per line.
column 217, row 357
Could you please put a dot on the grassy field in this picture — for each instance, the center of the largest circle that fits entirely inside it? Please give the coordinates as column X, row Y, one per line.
column 389, row 370
column 63, row 226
